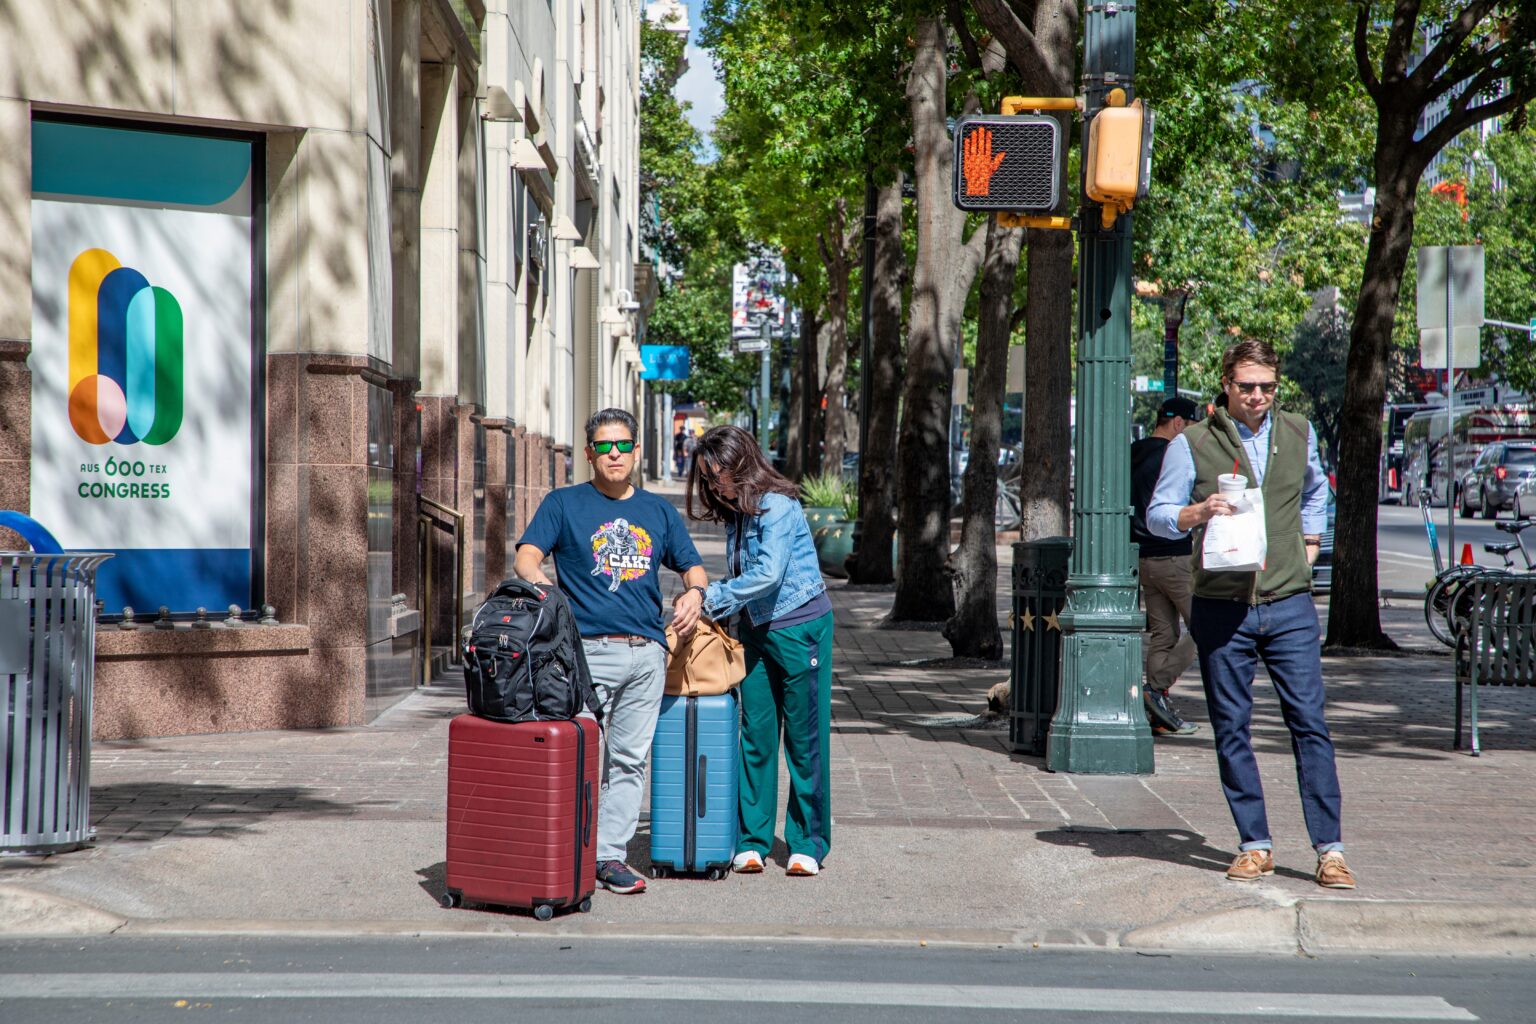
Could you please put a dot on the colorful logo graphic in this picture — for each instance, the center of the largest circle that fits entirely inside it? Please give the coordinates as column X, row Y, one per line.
column 125, row 354
column 621, row 552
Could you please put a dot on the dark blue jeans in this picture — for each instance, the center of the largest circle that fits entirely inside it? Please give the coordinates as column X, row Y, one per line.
column 1232, row 637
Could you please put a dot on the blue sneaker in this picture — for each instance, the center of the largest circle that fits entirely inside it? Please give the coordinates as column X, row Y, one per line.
column 616, row 876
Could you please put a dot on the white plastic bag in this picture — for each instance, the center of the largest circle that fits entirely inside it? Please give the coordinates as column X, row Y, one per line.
column 1239, row 542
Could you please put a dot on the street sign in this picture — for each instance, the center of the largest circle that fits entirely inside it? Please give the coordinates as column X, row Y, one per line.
column 1008, row 163
column 745, row 343
column 1533, row 328
column 664, row 362
column 1141, row 383
column 757, row 295
column 1450, row 289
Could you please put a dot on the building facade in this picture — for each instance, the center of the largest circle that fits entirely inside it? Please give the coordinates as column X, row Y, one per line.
column 303, row 308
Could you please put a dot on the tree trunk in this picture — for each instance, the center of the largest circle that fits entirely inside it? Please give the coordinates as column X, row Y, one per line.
column 877, row 464
column 1354, row 614
column 972, row 631
column 1046, row 480
column 810, row 394
column 794, row 415
column 946, row 265
column 839, row 270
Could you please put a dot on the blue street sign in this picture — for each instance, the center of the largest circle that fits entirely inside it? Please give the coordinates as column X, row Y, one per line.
column 664, row 362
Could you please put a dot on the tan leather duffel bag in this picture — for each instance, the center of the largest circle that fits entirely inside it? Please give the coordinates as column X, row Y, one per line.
column 704, row 663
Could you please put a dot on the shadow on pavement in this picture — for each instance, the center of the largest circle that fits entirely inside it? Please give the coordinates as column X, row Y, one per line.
column 139, row 812
column 1174, row 846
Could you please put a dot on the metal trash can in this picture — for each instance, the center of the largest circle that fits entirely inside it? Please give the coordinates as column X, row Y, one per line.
column 47, row 666
column 1040, row 570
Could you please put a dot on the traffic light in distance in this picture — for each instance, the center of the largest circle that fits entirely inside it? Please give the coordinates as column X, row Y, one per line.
column 1119, row 163
column 1008, row 163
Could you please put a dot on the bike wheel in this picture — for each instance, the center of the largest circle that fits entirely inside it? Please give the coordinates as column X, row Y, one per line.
column 1439, row 602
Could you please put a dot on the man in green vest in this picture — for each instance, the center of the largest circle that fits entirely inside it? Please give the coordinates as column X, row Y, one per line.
column 1241, row 618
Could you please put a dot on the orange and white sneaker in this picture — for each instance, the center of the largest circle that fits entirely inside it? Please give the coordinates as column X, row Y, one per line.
column 801, row 866
column 747, row 862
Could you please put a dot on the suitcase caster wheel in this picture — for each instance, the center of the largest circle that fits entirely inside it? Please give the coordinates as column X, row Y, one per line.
column 715, row 874
column 544, row 912
column 657, row 871
column 585, row 906
column 451, row 899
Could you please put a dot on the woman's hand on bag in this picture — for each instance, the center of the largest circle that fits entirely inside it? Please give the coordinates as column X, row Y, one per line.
column 685, row 611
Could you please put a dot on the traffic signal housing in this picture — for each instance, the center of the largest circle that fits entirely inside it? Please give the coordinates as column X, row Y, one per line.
column 1009, row 163
column 1118, row 167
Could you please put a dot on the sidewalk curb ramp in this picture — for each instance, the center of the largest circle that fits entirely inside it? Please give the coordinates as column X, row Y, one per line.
column 1308, row 927
column 28, row 912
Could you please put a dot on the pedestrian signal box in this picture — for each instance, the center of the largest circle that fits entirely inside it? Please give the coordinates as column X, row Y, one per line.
column 1118, row 168
column 1009, row 163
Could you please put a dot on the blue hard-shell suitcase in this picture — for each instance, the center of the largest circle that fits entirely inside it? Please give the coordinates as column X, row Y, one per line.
column 693, row 784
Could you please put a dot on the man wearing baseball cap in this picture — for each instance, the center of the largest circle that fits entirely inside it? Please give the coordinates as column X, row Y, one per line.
column 1165, row 574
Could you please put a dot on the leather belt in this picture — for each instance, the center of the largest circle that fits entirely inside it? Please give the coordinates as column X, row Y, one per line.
column 629, row 638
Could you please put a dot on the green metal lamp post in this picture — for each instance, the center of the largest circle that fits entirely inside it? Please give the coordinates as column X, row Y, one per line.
column 1099, row 726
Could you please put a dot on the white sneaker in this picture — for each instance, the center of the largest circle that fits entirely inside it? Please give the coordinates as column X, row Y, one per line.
column 747, row 862
column 800, row 865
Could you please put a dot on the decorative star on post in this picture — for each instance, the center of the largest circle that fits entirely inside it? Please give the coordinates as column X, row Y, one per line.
column 1052, row 622
column 1029, row 620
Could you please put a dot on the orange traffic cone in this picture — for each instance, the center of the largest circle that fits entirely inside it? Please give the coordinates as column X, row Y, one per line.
column 1466, row 554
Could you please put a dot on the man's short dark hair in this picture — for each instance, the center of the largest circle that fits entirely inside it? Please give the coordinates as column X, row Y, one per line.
column 1249, row 350
column 609, row 417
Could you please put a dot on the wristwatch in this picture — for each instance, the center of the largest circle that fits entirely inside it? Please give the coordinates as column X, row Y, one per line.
column 702, row 592
column 1311, row 538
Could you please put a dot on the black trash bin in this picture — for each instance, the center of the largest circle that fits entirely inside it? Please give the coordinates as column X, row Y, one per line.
column 1040, row 570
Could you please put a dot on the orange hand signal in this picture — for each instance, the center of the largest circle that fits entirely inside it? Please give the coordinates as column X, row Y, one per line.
column 979, row 162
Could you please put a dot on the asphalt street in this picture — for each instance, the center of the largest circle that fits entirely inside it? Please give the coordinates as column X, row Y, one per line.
column 382, row 981
column 1403, row 554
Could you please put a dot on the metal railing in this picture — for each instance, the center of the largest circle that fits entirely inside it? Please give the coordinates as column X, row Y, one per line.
column 430, row 516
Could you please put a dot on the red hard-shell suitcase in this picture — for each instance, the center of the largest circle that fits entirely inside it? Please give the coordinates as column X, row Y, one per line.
column 522, row 813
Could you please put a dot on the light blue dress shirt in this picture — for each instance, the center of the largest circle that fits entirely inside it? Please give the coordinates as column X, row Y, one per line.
column 1177, row 480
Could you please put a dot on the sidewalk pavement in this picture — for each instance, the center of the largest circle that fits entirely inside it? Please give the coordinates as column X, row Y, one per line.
column 941, row 835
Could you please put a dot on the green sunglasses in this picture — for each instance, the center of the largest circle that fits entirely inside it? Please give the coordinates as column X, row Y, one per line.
column 604, row 447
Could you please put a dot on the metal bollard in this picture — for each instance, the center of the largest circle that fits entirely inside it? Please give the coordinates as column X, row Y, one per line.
column 1040, row 570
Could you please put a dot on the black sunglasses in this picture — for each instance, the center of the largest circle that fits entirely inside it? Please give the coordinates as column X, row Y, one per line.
column 604, row 447
column 1246, row 386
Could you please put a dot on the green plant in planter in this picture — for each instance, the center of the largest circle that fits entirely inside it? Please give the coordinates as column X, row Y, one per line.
column 851, row 507
column 824, row 491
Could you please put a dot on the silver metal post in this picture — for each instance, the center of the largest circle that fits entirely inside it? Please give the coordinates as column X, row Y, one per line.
column 764, row 391
column 1450, row 399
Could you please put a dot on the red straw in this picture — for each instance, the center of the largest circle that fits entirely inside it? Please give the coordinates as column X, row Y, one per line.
column 1237, row 465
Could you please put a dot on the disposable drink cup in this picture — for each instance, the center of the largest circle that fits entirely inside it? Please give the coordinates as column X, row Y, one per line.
column 1231, row 484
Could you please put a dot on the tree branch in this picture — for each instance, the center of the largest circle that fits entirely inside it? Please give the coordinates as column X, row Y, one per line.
column 1491, row 71
column 1400, row 40
column 1018, row 41
column 967, row 41
column 1455, row 34
column 1363, row 51
column 1458, row 121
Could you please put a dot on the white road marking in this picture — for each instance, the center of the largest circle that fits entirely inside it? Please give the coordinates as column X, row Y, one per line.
column 201, row 987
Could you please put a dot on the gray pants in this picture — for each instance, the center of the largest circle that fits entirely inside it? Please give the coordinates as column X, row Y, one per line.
column 629, row 682
column 1166, row 582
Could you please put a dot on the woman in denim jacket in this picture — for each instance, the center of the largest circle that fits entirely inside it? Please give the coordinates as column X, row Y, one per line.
column 773, row 580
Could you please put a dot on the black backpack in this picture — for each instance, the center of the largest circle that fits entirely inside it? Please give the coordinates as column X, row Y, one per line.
column 523, row 661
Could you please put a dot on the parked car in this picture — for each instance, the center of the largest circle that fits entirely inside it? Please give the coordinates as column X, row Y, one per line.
column 1525, row 497
column 1322, row 569
column 1493, row 482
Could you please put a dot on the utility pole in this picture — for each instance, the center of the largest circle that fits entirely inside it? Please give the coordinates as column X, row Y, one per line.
column 765, row 388
column 1099, row 725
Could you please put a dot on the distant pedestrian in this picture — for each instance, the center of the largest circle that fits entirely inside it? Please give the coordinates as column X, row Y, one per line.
column 1164, row 571
column 1241, row 618
column 609, row 540
column 773, row 580
column 679, row 450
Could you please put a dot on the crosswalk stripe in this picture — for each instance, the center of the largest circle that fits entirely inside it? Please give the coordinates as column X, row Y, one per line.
column 585, row 988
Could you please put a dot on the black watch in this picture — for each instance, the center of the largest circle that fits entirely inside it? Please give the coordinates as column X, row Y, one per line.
column 702, row 592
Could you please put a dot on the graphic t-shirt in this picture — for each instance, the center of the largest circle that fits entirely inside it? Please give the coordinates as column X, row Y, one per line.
column 607, row 553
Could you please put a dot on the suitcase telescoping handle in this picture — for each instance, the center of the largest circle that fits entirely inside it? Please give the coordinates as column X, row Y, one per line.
column 701, row 788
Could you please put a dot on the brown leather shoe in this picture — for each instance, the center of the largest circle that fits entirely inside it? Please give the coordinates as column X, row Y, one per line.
column 1333, row 873
column 1251, row 865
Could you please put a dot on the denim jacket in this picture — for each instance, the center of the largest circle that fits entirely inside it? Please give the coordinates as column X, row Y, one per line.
column 778, row 573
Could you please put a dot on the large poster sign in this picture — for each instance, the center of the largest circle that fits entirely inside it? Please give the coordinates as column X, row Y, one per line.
column 142, row 351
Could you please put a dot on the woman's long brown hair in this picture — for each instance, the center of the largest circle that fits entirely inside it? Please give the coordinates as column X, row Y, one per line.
column 734, row 451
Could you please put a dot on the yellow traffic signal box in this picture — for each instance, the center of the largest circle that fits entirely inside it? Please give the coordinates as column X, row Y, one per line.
column 1117, row 165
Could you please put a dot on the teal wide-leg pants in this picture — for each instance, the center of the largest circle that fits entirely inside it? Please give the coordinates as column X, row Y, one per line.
column 788, row 693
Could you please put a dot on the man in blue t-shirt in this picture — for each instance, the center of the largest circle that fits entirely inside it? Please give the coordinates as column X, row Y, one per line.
column 608, row 539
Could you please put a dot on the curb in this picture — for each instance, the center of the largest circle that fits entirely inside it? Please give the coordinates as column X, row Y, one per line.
column 1308, row 927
